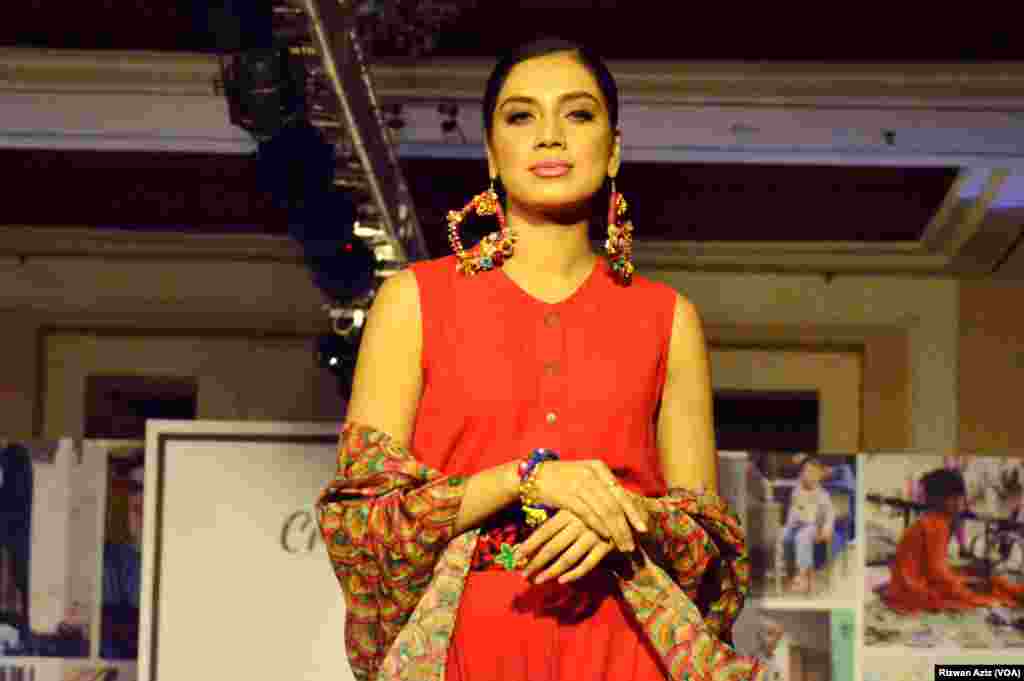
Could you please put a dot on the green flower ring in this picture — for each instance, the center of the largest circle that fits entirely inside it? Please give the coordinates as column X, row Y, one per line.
column 507, row 557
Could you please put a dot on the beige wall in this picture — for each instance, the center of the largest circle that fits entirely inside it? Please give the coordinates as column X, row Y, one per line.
column 878, row 314
column 907, row 331
column 249, row 367
column 884, row 354
column 19, row 369
column 834, row 376
column 991, row 367
column 240, row 378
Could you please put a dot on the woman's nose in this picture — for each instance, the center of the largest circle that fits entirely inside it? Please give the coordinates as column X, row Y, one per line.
column 551, row 133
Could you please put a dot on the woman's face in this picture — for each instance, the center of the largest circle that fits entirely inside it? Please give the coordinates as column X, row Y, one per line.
column 551, row 111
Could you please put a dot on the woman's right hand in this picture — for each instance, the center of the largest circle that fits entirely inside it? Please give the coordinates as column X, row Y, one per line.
column 589, row 489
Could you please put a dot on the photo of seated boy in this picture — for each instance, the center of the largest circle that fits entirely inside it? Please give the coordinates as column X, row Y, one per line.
column 922, row 578
column 810, row 520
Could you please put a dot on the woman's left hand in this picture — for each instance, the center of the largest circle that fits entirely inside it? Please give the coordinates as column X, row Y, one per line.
column 568, row 539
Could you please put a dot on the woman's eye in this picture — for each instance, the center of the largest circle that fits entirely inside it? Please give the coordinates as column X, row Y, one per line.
column 517, row 117
column 582, row 115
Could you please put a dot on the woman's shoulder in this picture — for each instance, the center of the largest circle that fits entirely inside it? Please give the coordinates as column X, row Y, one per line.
column 657, row 292
column 432, row 267
column 431, row 277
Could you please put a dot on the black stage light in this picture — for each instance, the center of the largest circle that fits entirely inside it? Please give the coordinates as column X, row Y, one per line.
column 337, row 354
column 333, row 352
column 266, row 90
column 239, row 25
column 295, row 164
column 342, row 265
column 323, row 221
column 345, row 274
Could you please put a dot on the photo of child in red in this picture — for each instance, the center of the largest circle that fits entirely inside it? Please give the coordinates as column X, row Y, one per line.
column 922, row 579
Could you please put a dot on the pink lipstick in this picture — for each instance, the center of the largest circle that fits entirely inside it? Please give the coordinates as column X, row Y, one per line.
column 550, row 168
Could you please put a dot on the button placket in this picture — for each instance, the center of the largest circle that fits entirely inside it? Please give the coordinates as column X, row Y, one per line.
column 550, row 350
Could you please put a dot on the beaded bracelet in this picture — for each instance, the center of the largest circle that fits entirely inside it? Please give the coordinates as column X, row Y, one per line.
column 528, row 470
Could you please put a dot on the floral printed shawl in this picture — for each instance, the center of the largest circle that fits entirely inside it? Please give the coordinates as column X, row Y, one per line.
column 388, row 523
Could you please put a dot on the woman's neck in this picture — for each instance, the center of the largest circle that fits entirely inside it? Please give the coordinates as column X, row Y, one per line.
column 549, row 249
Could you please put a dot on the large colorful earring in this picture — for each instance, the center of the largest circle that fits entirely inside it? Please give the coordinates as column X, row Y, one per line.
column 620, row 238
column 494, row 248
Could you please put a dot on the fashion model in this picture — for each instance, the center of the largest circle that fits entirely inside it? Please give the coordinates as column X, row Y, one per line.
column 527, row 485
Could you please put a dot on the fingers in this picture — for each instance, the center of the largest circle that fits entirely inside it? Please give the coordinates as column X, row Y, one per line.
column 634, row 513
column 543, row 534
column 561, row 541
column 590, row 513
column 595, row 556
column 591, row 492
column 581, row 546
column 600, row 499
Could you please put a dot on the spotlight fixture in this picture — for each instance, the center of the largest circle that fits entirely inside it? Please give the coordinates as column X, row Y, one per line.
column 450, row 123
column 394, row 119
column 266, row 90
column 337, row 354
column 337, row 351
column 295, row 164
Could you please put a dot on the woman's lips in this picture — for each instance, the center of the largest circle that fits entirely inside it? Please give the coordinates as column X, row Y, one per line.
column 550, row 169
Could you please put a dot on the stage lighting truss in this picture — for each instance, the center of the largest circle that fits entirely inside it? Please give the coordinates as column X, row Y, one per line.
column 342, row 104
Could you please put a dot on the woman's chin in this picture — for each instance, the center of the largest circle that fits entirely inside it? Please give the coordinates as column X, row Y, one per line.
column 562, row 206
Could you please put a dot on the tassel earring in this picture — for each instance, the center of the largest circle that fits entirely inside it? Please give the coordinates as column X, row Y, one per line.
column 619, row 244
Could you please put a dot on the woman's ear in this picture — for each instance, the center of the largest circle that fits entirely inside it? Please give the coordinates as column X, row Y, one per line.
column 616, row 159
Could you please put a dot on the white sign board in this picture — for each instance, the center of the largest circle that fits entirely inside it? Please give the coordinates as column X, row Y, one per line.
column 236, row 583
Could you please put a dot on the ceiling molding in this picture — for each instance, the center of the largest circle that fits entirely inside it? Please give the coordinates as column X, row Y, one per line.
column 995, row 248
column 996, row 86
column 961, row 115
column 863, row 259
column 108, row 72
column 739, row 153
column 50, row 99
column 21, row 241
column 936, row 233
column 991, row 86
column 974, row 214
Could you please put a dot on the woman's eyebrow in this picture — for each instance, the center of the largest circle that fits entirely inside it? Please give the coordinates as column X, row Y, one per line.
column 563, row 98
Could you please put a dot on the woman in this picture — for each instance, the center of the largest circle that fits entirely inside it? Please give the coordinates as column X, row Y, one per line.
column 533, row 342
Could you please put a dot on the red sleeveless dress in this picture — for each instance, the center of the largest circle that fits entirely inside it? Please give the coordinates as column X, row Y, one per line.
column 505, row 373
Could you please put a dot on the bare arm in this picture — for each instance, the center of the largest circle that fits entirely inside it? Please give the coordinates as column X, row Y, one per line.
column 686, row 435
column 388, row 383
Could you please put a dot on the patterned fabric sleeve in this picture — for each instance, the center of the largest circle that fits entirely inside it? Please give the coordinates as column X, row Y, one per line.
column 386, row 519
column 689, row 590
column 701, row 544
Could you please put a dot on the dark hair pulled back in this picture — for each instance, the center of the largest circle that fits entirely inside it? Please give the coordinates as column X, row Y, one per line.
column 540, row 48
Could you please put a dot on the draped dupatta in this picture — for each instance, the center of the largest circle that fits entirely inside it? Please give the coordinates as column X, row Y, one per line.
column 388, row 523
